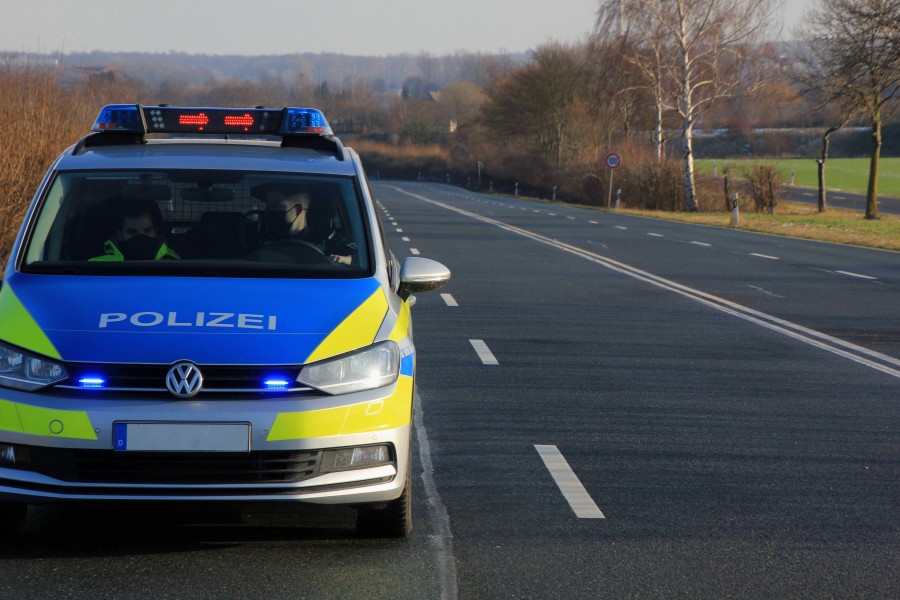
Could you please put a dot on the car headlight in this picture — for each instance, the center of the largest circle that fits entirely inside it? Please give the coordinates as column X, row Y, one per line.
column 25, row 371
column 373, row 367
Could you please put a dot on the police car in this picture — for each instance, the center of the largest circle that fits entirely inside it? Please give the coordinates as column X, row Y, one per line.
column 201, row 306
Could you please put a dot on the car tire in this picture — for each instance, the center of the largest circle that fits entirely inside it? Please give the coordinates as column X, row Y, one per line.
column 12, row 517
column 391, row 521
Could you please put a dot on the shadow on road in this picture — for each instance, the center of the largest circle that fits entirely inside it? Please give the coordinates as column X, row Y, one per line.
column 60, row 531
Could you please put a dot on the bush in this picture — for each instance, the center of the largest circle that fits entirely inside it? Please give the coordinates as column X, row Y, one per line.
column 654, row 185
column 765, row 187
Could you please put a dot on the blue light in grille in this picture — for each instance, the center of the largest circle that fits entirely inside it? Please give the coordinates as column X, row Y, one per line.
column 276, row 383
column 91, row 383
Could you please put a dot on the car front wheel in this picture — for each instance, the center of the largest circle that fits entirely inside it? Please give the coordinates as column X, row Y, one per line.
column 393, row 520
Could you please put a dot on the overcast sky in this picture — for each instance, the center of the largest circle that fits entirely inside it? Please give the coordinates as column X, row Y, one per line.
column 257, row 27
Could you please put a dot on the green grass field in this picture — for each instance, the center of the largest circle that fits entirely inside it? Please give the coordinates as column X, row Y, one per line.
column 845, row 174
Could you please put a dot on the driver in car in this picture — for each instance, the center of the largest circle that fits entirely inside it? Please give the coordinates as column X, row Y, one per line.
column 289, row 205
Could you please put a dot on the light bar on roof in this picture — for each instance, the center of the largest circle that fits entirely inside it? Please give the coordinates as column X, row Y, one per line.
column 134, row 118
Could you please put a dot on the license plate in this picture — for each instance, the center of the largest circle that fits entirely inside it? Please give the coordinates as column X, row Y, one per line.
column 181, row 437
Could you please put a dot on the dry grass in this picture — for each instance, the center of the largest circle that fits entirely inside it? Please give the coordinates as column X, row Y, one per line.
column 795, row 219
column 400, row 152
column 39, row 118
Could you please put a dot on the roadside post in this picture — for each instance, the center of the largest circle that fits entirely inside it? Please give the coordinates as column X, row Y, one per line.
column 612, row 163
column 516, row 191
column 735, row 217
column 618, row 196
column 554, row 193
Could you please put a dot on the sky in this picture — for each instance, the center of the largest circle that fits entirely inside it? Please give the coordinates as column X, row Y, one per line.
column 260, row 27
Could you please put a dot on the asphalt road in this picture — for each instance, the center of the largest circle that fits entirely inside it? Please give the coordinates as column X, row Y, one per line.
column 727, row 402
column 839, row 199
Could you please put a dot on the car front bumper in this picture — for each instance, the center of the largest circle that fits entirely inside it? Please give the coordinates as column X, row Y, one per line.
column 55, row 448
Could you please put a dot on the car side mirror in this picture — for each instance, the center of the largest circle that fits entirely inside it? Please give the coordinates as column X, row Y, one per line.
column 421, row 275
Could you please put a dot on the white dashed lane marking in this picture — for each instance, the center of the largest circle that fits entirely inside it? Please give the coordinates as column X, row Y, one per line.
column 449, row 300
column 849, row 274
column 569, row 484
column 766, row 256
column 484, row 353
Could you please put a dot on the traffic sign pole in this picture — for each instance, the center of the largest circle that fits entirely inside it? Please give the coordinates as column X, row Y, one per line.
column 609, row 200
column 612, row 163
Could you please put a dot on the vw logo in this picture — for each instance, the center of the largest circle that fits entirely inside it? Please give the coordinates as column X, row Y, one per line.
column 184, row 380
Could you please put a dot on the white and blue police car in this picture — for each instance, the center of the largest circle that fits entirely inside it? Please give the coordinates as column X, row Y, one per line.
column 201, row 306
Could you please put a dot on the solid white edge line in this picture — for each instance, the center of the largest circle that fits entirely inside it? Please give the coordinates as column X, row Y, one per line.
column 442, row 538
column 484, row 353
column 449, row 300
column 569, row 484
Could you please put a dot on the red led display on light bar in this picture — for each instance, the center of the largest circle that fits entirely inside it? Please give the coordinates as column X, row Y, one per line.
column 198, row 119
column 244, row 120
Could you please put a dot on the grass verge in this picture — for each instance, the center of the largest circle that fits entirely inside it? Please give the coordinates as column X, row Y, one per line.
column 799, row 220
column 841, row 174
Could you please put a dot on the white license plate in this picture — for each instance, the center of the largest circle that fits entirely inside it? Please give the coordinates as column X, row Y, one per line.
column 181, row 437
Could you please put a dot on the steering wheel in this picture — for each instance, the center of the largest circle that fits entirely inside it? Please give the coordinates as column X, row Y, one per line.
column 290, row 251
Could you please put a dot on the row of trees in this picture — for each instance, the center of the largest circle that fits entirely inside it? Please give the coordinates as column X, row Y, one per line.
column 690, row 55
column 852, row 61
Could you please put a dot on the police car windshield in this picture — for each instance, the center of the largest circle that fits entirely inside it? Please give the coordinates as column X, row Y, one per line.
column 200, row 222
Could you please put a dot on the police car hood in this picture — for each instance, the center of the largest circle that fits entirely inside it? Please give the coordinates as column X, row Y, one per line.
column 160, row 320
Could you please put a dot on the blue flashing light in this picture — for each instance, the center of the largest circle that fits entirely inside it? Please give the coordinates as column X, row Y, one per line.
column 276, row 384
column 305, row 120
column 91, row 383
column 125, row 118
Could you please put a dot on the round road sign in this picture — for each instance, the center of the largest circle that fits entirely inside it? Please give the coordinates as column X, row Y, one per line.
column 613, row 160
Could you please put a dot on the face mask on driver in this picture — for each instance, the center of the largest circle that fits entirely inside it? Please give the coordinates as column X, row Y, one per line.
column 279, row 223
column 140, row 247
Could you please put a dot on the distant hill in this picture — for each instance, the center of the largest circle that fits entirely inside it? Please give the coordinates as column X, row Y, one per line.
column 384, row 72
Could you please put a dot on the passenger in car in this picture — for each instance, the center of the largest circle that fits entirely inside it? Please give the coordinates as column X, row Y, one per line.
column 138, row 234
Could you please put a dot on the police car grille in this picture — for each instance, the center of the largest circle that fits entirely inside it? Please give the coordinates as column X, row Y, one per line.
column 216, row 378
column 105, row 466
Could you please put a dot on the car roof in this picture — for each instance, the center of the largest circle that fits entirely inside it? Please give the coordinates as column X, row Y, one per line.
column 208, row 153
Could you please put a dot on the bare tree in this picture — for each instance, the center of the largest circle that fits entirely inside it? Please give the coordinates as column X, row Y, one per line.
column 540, row 103
column 643, row 46
column 854, row 61
column 460, row 101
column 696, row 53
column 823, row 158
